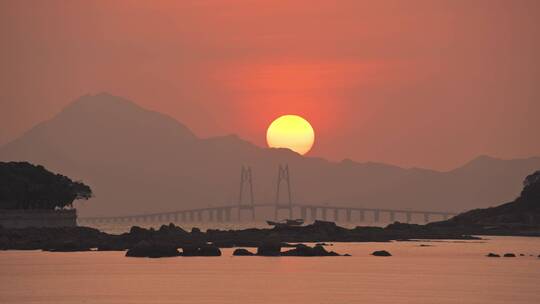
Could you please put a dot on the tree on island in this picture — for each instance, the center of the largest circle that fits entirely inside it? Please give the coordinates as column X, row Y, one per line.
column 27, row 186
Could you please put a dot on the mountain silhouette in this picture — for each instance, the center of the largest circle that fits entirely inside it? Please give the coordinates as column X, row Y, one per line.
column 139, row 161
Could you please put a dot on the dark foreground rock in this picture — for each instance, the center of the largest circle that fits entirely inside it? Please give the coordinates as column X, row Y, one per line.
column 306, row 251
column 68, row 246
column 509, row 255
column 493, row 255
column 85, row 238
column 381, row 253
column 146, row 249
column 204, row 250
column 269, row 248
column 242, row 252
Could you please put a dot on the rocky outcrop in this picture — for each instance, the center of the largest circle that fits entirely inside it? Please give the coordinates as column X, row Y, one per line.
column 68, row 246
column 381, row 253
column 509, row 255
column 209, row 250
column 242, row 252
column 273, row 239
column 493, row 255
column 204, row 250
column 267, row 249
column 306, row 251
column 146, row 249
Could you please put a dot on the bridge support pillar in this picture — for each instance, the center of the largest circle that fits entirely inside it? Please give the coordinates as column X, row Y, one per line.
column 349, row 212
column 426, row 217
column 336, row 215
column 362, row 216
column 409, row 217
column 323, row 214
column 303, row 213
column 376, row 216
column 392, row 216
column 250, row 208
column 219, row 215
column 227, row 214
column 199, row 216
column 313, row 213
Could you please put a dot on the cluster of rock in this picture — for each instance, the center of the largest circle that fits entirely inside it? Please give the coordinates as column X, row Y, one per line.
column 274, row 249
column 84, row 238
column 156, row 250
column 159, row 250
column 381, row 253
column 506, row 255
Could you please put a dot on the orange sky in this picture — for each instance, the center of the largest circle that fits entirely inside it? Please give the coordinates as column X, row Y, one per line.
column 414, row 83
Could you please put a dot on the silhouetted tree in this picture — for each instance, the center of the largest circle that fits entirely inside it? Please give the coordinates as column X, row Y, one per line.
column 27, row 186
column 531, row 188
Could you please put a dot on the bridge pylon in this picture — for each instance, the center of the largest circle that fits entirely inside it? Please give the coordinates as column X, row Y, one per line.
column 246, row 181
column 283, row 175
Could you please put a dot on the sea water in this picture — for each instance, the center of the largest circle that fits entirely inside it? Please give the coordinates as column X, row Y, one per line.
column 441, row 272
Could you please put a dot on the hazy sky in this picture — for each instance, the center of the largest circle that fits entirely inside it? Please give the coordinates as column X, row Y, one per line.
column 414, row 83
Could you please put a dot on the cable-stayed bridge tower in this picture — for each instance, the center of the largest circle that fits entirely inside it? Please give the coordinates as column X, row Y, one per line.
column 246, row 185
column 283, row 176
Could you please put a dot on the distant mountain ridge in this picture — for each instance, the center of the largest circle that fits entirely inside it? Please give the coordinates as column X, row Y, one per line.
column 139, row 161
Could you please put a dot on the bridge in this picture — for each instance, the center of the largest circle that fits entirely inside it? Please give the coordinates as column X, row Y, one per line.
column 307, row 211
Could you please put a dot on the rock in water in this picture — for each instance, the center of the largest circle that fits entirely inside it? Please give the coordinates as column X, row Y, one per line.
column 68, row 246
column 493, row 255
column 209, row 250
column 382, row 253
column 206, row 250
column 146, row 249
column 269, row 249
column 509, row 255
column 304, row 250
column 190, row 251
column 242, row 252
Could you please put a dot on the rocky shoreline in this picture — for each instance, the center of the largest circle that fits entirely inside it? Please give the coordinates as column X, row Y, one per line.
column 165, row 241
column 85, row 238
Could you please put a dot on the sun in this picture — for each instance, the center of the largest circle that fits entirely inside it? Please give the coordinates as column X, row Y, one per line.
column 291, row 132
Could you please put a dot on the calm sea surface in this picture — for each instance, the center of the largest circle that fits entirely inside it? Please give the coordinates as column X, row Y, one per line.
column 446, row 272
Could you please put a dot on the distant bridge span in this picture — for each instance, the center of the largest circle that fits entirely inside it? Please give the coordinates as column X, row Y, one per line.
column 227, row 213
column 327, row 211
